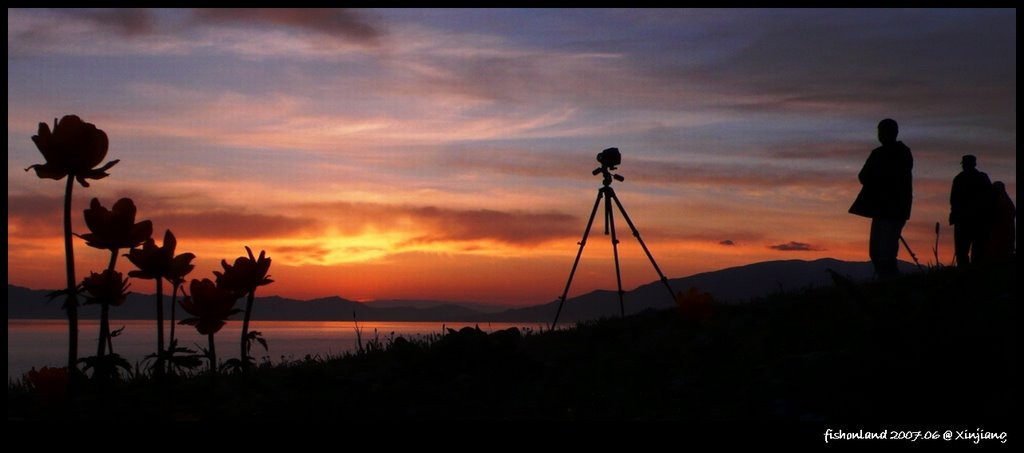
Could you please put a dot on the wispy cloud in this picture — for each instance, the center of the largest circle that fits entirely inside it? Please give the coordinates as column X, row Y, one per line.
column 795, row 247
column 90, row 32
column 30, row 216
column 246, row 33
column 234, row 225
column 513, row 228
column 829, row 58
column 433, row 224
column 126, row 21
column 33, row 216
column 336, row 22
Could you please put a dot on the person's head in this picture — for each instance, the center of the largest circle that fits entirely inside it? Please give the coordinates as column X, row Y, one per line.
column 999, row 186
column 969, row 162
column 887, row 131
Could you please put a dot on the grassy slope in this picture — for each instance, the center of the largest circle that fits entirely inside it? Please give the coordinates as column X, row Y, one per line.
column 934, row 348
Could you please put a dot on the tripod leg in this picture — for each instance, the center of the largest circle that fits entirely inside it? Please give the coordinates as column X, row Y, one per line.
column 610, row 224
column 912, row 255
column 583, row 243
column 664, row 280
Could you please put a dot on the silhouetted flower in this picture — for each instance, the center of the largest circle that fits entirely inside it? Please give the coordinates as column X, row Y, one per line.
column 108, row 287
column 157, row 262
column 243, row 278
column 72, row 149
column 116, row 228
column 181, row 265
column 209, row 305
column 246, row 275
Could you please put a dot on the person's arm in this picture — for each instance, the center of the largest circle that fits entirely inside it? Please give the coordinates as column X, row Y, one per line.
column 868, row 174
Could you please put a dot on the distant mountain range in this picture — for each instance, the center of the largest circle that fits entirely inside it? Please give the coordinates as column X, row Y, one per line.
column 24, row 303
column 731, row 285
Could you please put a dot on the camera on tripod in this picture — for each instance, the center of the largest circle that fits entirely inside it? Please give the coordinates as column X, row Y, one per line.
column 609, row 158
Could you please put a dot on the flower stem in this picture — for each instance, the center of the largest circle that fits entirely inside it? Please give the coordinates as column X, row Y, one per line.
column 71, row 305
column 213, row 356
column 174, row 303
column 105, row 314
column 160, row 325
column 245, row 328
column 104, row 328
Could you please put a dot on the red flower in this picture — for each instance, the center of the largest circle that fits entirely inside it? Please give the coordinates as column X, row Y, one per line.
column 209, row 305
column 108, row 287
column 50, row 383
column 160, row 262
column 72, row 149
column 695, row 304
column 116, row 228
column 246, row 275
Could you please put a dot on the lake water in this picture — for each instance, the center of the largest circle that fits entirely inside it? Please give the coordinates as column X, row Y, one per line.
column 37, row 343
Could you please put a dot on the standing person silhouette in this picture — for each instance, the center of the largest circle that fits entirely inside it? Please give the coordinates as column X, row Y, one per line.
column 970, row 203
column 1002, row 239
column 886, row 197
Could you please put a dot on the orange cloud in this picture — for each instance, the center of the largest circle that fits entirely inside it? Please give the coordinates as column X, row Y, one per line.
column 223, row 224
column 793, row 246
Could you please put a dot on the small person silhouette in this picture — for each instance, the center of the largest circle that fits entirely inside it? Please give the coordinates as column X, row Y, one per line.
column 886, row 197
column 1002, row 236
column 970, row 203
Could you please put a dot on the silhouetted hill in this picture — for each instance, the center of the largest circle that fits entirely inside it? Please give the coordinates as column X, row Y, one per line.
column 422, row 304
column 325, row 308
column 24, row 303
column 933, row 349
column 730, row 285
column 27, row 303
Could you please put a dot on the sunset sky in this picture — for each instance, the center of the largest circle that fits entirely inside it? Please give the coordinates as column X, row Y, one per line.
column 447, row 154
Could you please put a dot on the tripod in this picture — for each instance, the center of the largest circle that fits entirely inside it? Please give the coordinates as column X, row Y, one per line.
column 608, row 194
